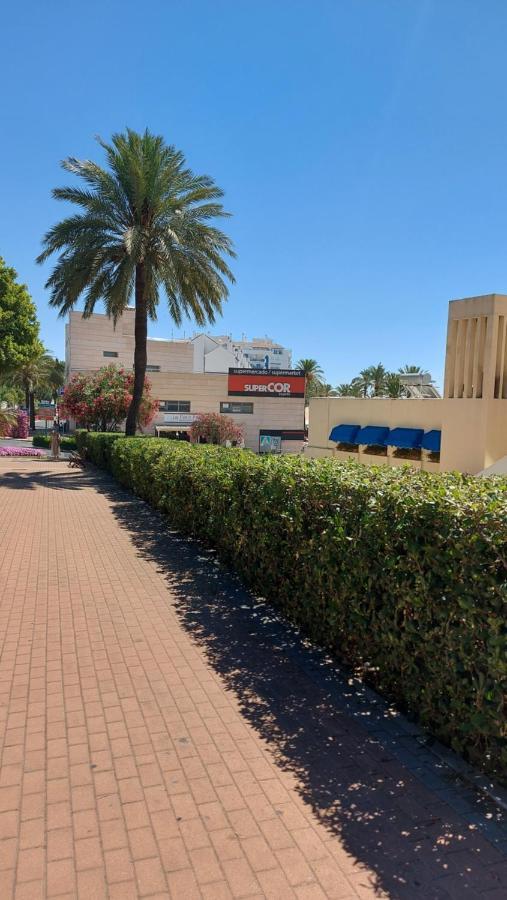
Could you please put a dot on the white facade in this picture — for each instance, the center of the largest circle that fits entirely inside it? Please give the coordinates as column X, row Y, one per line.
column 259, row 353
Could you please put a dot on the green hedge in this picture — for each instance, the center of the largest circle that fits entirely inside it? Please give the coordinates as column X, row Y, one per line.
column 401, row 572
column 44, row 440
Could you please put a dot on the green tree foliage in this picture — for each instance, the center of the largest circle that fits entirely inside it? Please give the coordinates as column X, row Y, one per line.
column 351, row 389
column 19, row 327
column 393, row 386
column 54, row 379
column 402, row 573
column 145, row 225
column 313, row 376
column 322, row 389
column 412, row 370
column 31, row 374
column 10, row 395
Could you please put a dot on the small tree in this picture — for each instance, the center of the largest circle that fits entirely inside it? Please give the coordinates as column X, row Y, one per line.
column 215, row 429
column 100, row 401
column 19, row 327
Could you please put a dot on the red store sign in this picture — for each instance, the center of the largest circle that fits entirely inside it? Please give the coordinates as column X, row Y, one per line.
column 287, row 383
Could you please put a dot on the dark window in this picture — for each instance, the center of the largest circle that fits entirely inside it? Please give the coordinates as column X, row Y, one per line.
column 150, row 368
column 236, row 408
column 109, row 353
column 174, row 405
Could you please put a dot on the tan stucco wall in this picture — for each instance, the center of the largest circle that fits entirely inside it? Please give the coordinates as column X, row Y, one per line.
column 88, row 338
column 206, row 392
column 474, row 431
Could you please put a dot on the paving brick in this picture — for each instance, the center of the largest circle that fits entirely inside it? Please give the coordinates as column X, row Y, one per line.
column 130, row 768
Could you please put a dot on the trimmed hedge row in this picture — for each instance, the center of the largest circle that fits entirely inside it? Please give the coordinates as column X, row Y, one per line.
column 44, row 440
column 402, row 573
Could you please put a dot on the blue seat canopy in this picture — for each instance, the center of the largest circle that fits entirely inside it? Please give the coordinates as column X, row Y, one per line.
column 372, row 434
column 431, row 441
column 344, row 434
column 405, row 438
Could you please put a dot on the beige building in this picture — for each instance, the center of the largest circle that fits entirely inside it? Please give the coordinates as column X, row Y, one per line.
column 193, row 376
column 465, row 430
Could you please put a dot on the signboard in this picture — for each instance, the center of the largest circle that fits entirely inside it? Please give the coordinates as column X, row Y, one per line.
column 270, row 443
column 283, row 383
column 179, row 418
column 46, row 404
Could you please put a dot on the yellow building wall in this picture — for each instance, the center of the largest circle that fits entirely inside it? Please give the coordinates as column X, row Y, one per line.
column 474, row 431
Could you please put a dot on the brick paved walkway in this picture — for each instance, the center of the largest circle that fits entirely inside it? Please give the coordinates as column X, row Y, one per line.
column 164, row 735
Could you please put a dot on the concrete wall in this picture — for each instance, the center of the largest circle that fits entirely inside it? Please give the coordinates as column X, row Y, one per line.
column 474, row 432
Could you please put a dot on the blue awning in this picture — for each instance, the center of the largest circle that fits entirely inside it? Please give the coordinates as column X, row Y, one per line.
column 407, row 438
column 372, row 434
column 431, row 441
column 344, row 434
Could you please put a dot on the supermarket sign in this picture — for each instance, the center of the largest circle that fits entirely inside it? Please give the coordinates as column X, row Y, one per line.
column 285, row 383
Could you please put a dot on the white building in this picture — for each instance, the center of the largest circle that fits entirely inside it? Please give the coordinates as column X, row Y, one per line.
column 259, row 353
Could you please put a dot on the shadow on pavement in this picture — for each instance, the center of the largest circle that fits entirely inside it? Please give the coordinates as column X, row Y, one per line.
column 31, row 478
column 423, row 834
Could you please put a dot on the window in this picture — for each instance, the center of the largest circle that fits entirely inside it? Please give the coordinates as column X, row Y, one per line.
column 236, row 408
column 174, row 405
column 109, row 353
column 278, row 352
column 150, row 368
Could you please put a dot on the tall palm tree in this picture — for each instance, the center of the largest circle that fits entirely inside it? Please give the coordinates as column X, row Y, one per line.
column 323, row 389
column 412, row 370
column 378, row 380
column 313, row 375
column 311, row 368
column 30, row 375
column 393, row 386
column 363, row 382
column 55, row 377
column 351, row 389
column 144, row 226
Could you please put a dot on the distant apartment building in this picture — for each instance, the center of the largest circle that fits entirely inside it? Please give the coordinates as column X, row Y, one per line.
column 259, row 353
column 195, row 375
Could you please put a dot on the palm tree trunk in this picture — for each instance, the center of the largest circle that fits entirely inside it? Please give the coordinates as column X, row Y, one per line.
column 27, row 400
column 140, row 351
column 32, row 410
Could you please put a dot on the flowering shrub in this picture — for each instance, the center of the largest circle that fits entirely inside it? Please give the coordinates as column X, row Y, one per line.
column 20, row 451
column 21, row 428
column 215, row 429
column 100, row 401
column 14, row 423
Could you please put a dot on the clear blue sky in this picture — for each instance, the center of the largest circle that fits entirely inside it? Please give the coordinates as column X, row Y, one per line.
column 362, row 145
